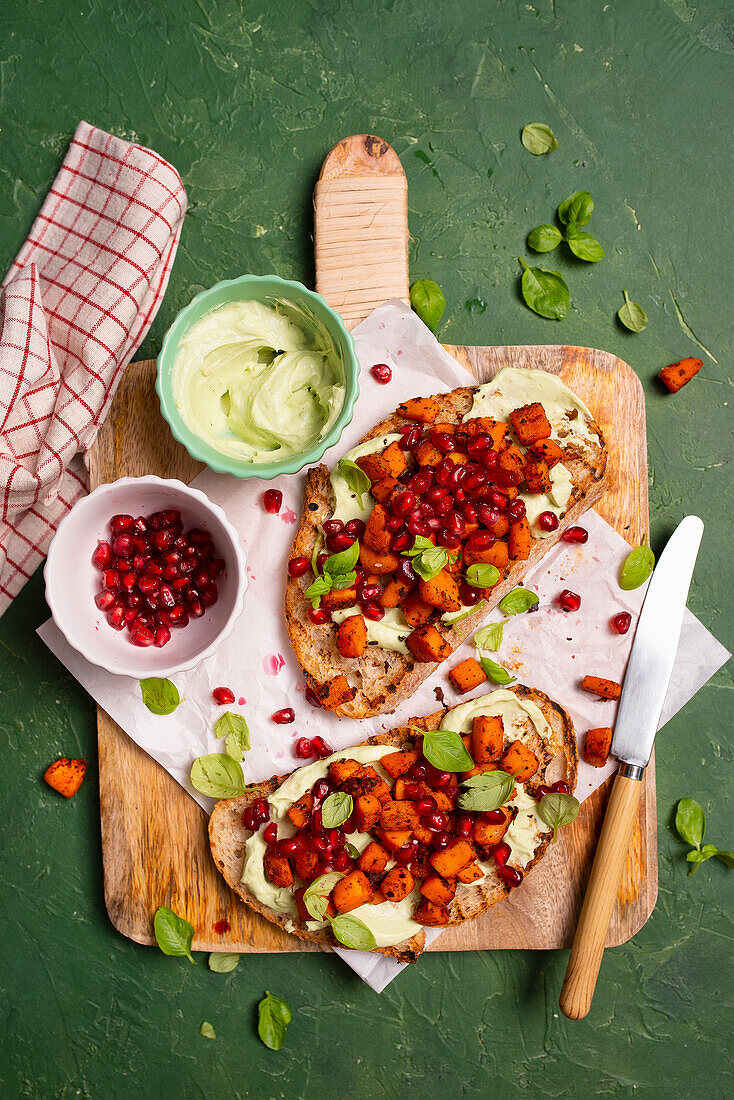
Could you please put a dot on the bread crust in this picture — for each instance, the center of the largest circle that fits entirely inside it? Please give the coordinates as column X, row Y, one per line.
column 382, row 679
column 227, row 835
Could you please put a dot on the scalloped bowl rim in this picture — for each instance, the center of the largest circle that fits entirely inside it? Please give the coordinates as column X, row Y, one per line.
column 239, row 555
column 214, row 459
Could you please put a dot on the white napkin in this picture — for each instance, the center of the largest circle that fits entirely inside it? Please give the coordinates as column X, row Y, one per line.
column 549, row 649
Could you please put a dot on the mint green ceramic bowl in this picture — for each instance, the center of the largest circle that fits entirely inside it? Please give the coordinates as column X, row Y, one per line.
column 260, row 288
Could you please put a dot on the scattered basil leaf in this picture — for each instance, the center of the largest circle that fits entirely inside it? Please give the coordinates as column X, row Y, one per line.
column 487, row 791
column 637, row 566
column 538, row 138
column 454, row 618
column 632, row 315
column 545, row 292
column 482, row 576
column 207, row 1031
column 517, row 601
column 690, row 822
column 496, row 673
column 576, row 210
column 234, row 728
column 357, row 480
column 726, row 858
column 446, row 751
column 426, row 298
column 344, row 561
column 316, row 896
column 217, row 775
column 558, row 809
column 318, row 543
column 159, row 696
column 353, row 932
column 273, row 1017
column 544, row 239
column 585, row 247
column 318, row 587
column 335, row 809
column 490, row 637
column 173, row 934
column 352, row 851
column 223, row 962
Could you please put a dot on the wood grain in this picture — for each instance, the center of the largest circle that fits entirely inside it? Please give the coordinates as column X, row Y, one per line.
column 154, row 836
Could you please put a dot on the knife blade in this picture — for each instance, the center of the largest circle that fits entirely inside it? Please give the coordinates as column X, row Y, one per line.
column 654, row 648
column 645, row 685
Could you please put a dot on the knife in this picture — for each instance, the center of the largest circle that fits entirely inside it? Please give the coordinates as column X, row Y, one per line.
column 641, row 703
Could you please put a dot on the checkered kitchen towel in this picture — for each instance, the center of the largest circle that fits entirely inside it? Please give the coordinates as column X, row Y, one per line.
column 75, row 305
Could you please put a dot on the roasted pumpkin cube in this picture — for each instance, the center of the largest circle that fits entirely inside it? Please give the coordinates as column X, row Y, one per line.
column 351, row 891
column 339, row 599
column 520, row 761
column 467, row 675
column 530, row 423
column 379, row 562
column 426, row 644
column 351, row 636
column 416, row 612
column 485, row 425
column 419, row 866
column 382, row 490
column 605, row 689
column 367, row 812
column 341, row 770
column 426, row 454
column 391, row 840
column 439, row 890
column 395, row 591
column 520, row 540
column 300, row 811
column 597, row 744
column 496, row 555
column 332, row 694
column 487, row 738
column 537, row 477
column 398, row 763
column 471, row 873
column 374, row 859
column 488, row 833
column 376, row 534
column 398, row 817
column 65, row 776
column 431, row 915
column 440, row 591
column 306, row 864
column 277, row 869
column 450, row 860
column 548, row 451
column 511, row 464
column 424, row 410
column 397, row 884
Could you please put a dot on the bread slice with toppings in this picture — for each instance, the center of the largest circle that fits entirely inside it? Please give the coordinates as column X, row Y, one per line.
column 532, row 727
column 549, row 454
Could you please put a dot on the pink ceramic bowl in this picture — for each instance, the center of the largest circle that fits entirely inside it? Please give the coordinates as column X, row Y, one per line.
column 72, row 581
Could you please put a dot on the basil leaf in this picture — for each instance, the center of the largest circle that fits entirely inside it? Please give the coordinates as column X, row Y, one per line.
column 318, row 543
column 352, row 851
column 585, row 247
column 223, row 962
column 632, row 315
column 487, row 791
column 357, row 480
column 490, row 637
column 538, row 139
column 545, row 292
column 482, row 576
column 159, row 696
column 452, row 618
column 344, row 561
column 690, row 822
column 316, row 896
column 695, row 858
column 637, row 566
column 544, row 239
column 236, row 731
column 426, row 298
column 420, row 544
column 335, row 809
column 318, row 587
column 429, row 563
column 517, row 601
column 173, row 934
column 353, row 932
column 218, row 775
column 207, row 1031
column 446, row 751
column 496, row 673
column 576, row 209
column 343, row 580
column 273, row 1017
column 558, row 809
column 726, row 858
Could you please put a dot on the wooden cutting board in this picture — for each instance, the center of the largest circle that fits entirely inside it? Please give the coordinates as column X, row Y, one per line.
column 154, row 844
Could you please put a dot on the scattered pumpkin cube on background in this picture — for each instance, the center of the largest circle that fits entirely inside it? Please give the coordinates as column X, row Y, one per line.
column 66, row 776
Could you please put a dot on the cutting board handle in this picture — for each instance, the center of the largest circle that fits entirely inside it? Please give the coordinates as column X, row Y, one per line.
column 601, row 893
column 361, row 227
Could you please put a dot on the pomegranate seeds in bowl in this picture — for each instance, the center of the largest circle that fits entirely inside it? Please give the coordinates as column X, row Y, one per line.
column 153, row 576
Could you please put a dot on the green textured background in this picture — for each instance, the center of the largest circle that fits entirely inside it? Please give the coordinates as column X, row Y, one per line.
column 246, row 99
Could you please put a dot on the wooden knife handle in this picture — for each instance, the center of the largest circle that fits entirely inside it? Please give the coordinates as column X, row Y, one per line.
column 601, row 893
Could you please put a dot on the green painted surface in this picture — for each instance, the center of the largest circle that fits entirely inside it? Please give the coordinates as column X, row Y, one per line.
column 246, row 99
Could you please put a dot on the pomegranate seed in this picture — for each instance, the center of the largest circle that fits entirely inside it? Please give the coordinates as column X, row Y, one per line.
column 166, row 597
column 442, row 779
column 131, row 614
column 407, row 853
column 568, row 600
column 449, row 539
column 129, row 580
column 343, row 541
column 102, row 556
column 342, row 861
column 270, row 834
column 120, row 523
column 440, row 840
column 321, row 788
column 319, row 615
column 509, row 875
column 141, row 635
column 248, row 819
column 148, row 583
column 575, row 534
column 401, row 541
column 303, row 748
column 548, row 521
column 465, row 826
column 104, row 600
column 490, row 460
column 111, row 580
column 381, row 373
column 311, row 697
column 479, row 444
column 411, row 437
column 500, row 501
column 394, row 523
column 620, row 622
column 321, row 747
column 202, row 579
column 333, row 527
column 406, row 571
column 542, row 791
column 284, row 717
column 373, row 611
column 404, row 503
column 436, row 822
column 516, row 510
column 418, row 772
column 162, row 636
column 288, row 847
column 371, row 593
column 223, row 696
column 413, row 791
column 261, row 810
column 481, row 540
column 216, row 567
column 298, row 566
column 210, row 595
column 560, row 787
column 469, row 596
column 272, row 500
column 494, row 817
column 426, row 806
column 420, row 483
column 501, row 853
column 196, row 608
column 140, row 526
column 176, row 615
column 163, row 539
column 356, row 528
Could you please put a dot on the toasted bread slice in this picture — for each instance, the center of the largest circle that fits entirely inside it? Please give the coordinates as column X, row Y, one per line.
column 381, row 679
column 558, row 759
